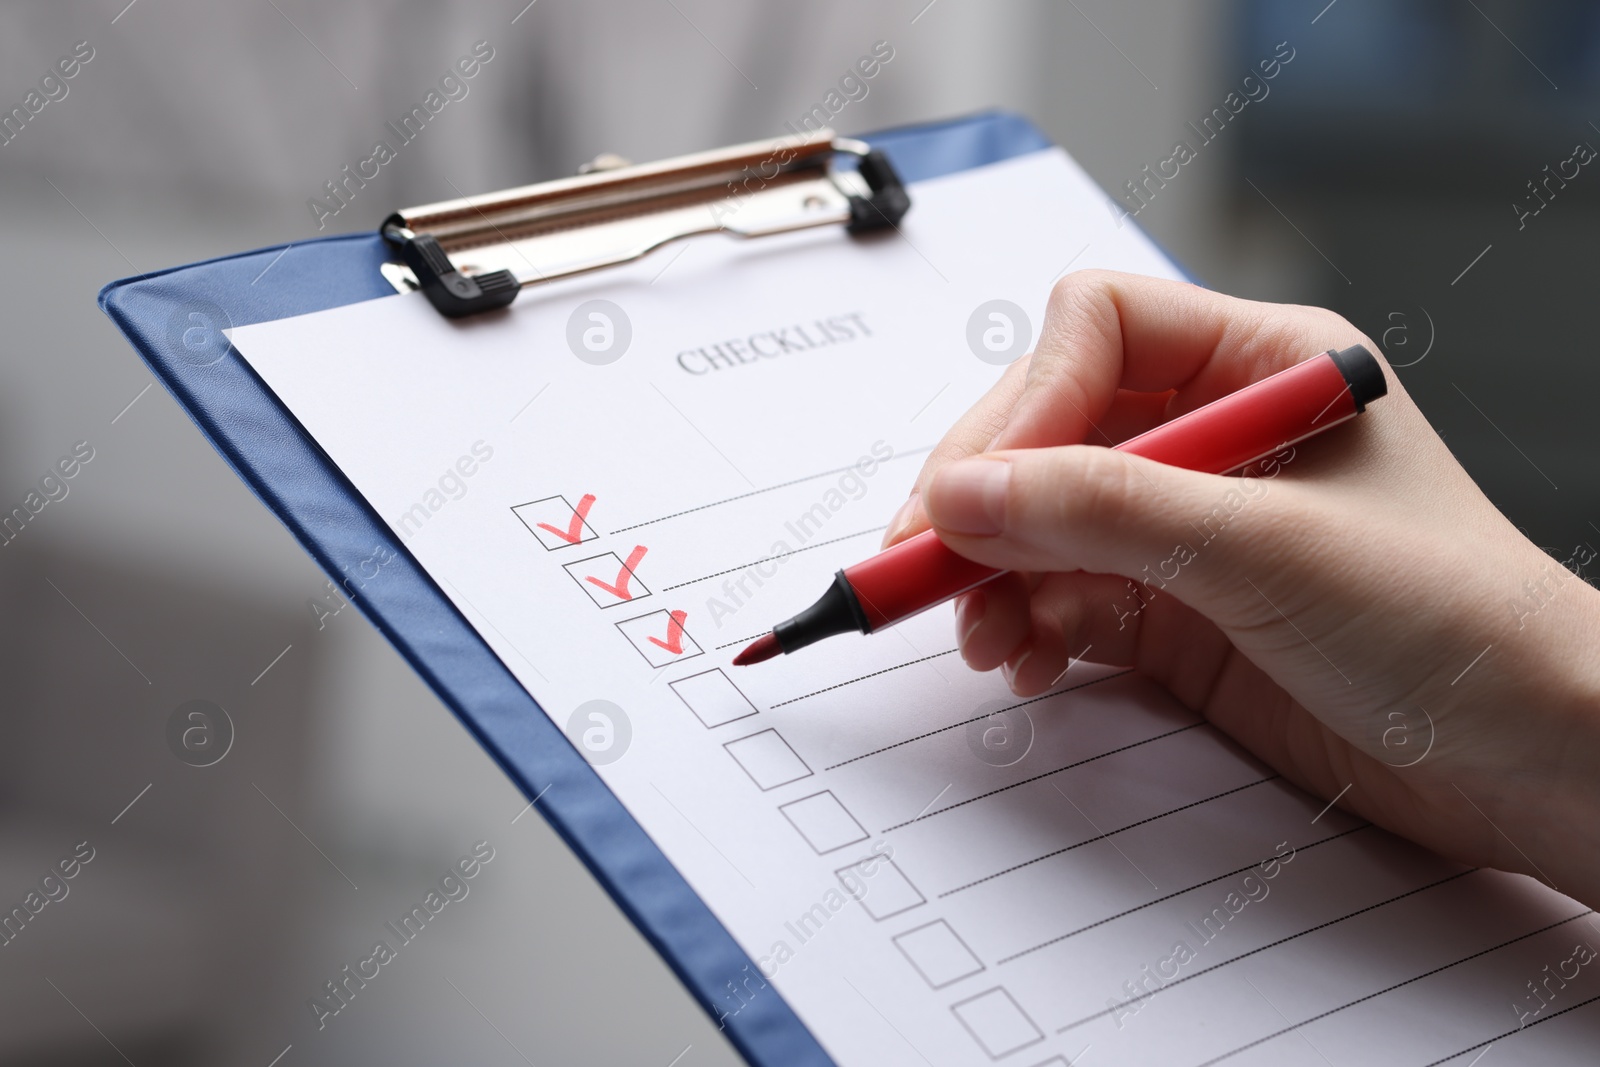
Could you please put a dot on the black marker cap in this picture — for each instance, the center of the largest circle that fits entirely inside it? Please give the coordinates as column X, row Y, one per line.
column 1361, row 370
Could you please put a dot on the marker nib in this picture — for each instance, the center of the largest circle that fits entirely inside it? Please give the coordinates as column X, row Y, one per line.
column 761, row 649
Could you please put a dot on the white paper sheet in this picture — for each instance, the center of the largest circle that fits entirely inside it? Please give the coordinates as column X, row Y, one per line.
column 1132, row 889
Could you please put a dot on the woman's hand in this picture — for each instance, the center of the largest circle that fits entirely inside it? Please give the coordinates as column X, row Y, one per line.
column 1364, row 605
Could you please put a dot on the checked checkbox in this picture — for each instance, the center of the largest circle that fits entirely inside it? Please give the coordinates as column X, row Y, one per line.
column 660, row 637
column 557, row 523
column 608, row 579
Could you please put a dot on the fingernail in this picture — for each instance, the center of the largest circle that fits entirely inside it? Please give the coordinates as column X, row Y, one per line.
column 1010, row 670
column 969, row 616
column 902, row 518
column 969, row 497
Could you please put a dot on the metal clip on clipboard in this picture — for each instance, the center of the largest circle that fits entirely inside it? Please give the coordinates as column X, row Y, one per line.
column 479, row 252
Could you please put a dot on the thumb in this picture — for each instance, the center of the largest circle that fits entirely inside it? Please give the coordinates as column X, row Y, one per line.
column 1080, row 507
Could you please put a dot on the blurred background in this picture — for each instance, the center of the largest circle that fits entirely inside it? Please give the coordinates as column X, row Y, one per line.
column 1396, row 170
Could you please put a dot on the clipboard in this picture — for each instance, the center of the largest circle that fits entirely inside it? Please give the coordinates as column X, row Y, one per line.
column 177, row 321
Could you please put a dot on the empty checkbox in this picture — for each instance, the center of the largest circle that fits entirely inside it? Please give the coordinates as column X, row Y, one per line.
column 557, row 523
column 938, row 954
column 880, row 886
column 713, row 698
column 767, row 758
column 997, row 1022
column 823, row 822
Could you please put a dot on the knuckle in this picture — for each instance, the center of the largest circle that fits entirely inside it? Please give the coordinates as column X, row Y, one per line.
column 972, row 439
column 1083, row 294
column 983, row 422
column 1081, row 343
column 1094, row 488
column 1090, row 282
column 1282, row 335
column 1304, row 327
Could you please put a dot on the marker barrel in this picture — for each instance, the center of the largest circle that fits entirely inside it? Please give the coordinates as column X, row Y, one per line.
column 921, row 572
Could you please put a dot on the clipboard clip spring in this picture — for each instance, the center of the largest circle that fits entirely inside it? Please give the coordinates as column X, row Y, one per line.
column 477, row 253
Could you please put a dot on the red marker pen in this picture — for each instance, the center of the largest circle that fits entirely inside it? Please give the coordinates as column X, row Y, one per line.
column 1225, row 435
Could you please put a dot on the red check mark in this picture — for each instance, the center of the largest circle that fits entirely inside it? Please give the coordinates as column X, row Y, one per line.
column 674, row 641
column 574, row 531
column 624, row 576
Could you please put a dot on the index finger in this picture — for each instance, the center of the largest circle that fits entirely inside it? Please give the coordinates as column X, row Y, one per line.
column 1106, row 332
column 1120, row 353
column 972, row 433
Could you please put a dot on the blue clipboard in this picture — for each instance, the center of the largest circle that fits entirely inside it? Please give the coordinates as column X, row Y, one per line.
column 174, row 319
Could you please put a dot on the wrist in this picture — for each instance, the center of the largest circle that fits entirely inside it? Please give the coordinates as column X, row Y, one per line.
column 1554, row 800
